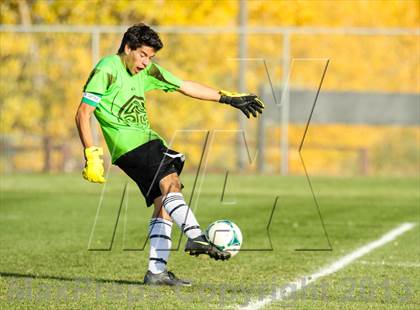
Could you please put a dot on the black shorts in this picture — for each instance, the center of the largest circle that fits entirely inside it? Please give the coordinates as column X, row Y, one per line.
column 148, row 164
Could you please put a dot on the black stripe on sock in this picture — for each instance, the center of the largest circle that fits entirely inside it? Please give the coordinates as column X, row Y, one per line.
column 172, row 198
column 191, row 227
column 159, row 222
column 176, row 196
column 158, row 219
column 160, row 236
column 175, row 201
column 158, row 260
column 177, row 207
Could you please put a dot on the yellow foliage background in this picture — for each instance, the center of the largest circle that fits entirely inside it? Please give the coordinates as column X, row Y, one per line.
column 42, row 75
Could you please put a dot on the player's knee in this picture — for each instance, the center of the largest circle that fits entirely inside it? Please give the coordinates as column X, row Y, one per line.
column 170, row 184
column 175, row 185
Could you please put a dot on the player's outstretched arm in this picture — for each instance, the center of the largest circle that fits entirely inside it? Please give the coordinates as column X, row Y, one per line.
column 199, row 91
column 94, row 168
column 247, row 103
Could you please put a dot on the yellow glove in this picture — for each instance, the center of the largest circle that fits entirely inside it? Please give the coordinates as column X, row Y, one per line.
column 94, row 168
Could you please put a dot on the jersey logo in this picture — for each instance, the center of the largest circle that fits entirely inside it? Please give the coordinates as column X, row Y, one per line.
column 133, row 112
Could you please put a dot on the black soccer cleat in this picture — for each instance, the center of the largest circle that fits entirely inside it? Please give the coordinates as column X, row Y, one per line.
column 201, row 245
column 164, row 278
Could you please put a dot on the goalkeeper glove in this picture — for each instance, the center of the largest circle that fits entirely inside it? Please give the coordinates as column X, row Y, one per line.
column 94, row 168
column 247, row 103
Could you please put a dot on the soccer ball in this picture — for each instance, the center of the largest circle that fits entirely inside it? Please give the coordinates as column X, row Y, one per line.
column 225, row 235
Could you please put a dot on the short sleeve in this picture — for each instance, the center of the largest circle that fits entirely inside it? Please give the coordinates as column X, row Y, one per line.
column 159, row 78
column 100, row 79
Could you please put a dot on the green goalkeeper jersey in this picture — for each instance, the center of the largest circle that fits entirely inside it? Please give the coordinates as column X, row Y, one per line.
column 119, row 98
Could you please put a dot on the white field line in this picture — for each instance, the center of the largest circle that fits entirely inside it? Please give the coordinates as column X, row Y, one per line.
column 390, row 264
column 284, row 291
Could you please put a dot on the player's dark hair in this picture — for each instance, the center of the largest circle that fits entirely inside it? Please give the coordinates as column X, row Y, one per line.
column 139, row 35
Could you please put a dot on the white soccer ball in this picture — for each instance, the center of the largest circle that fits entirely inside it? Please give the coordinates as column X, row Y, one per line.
column 225, row 235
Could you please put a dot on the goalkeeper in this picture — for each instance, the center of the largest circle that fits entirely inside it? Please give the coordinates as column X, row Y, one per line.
column 115, row 93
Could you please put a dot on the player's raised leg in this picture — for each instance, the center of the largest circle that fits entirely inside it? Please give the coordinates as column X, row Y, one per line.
column 176, row 207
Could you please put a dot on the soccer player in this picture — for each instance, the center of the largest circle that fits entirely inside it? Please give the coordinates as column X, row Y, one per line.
column 115, row 93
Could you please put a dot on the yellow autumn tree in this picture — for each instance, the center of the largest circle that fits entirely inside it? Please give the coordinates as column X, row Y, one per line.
column 42, row 74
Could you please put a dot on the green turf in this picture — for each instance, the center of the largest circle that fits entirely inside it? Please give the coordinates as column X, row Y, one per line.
column 46, row 223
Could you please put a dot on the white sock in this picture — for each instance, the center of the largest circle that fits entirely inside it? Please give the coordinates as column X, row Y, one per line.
column 160, row 244
column 182, row 215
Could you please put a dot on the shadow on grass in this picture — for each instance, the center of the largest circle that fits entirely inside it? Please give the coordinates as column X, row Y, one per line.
column 58, row 278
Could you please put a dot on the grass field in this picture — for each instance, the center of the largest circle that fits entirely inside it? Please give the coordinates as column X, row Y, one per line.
column 46, row 223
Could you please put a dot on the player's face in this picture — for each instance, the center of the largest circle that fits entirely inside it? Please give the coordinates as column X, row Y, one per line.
column 139, row 58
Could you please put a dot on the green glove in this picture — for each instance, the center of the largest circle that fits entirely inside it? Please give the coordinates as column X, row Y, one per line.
column 247, row 103
column 94, row 168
